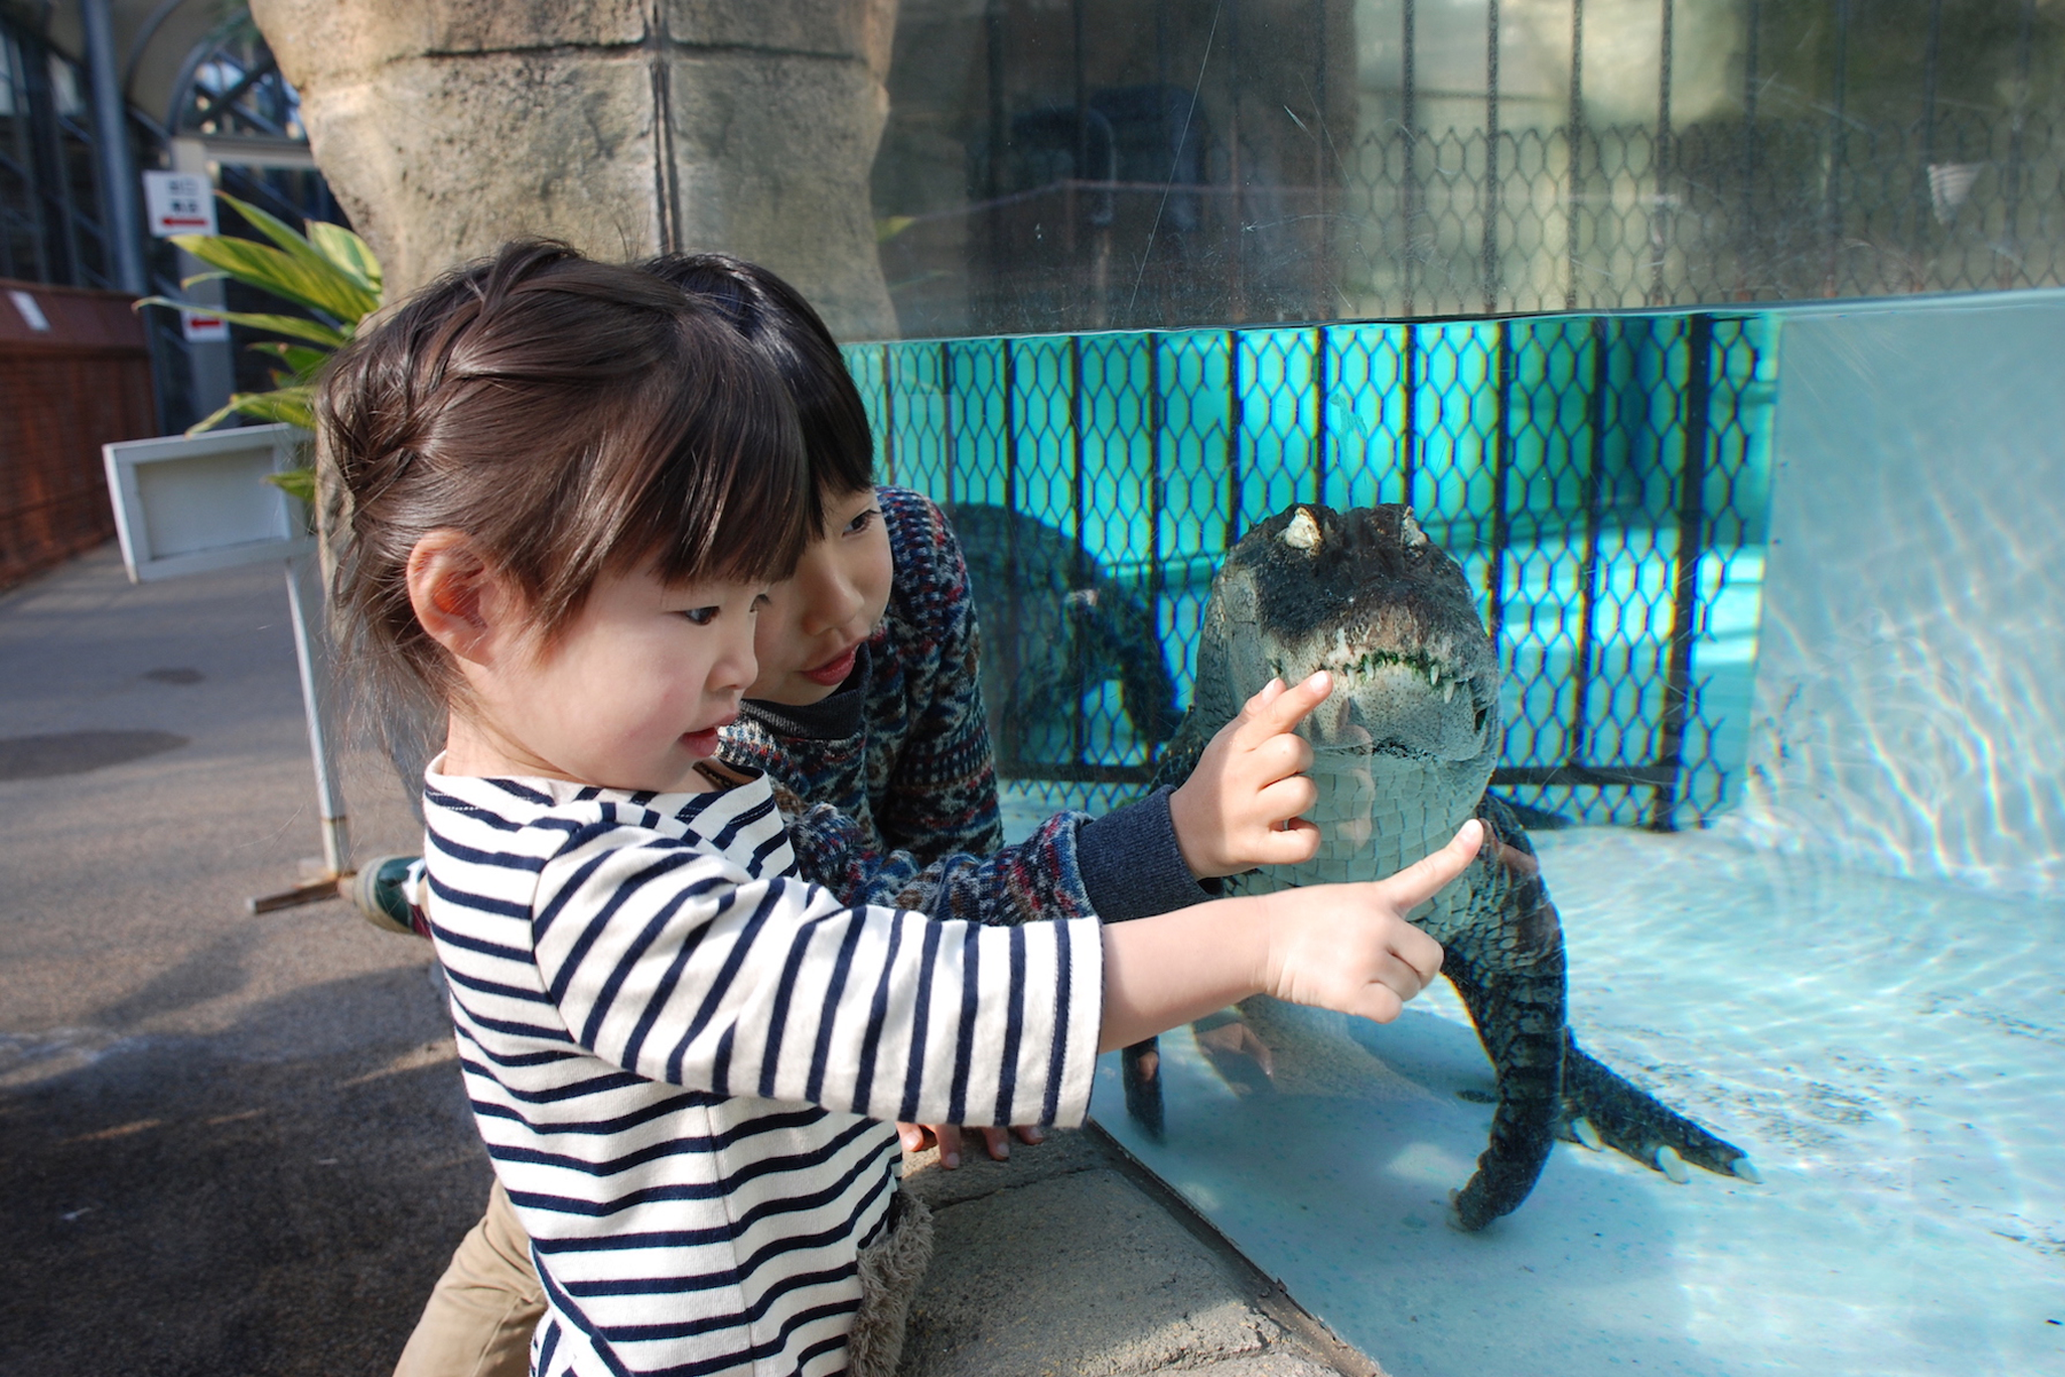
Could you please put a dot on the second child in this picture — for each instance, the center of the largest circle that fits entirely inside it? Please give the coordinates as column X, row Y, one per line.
column 570, row 491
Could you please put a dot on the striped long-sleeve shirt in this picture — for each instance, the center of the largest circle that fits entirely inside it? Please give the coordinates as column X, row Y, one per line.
column 681, row 1058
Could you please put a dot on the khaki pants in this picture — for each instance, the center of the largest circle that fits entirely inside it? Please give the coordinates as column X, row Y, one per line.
column 479, row 1319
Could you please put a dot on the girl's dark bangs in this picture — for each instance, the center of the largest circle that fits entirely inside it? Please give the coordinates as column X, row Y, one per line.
column 732, row 500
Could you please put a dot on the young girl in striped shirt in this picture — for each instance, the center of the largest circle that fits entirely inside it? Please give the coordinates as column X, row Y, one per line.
column 569, row 489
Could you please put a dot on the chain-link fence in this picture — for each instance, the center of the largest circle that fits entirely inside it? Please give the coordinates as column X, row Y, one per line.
column 1602, row 480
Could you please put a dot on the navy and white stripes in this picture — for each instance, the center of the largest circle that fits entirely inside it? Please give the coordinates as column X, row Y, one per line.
column 680, row 1058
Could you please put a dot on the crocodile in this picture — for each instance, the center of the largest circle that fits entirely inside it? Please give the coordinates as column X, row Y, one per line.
column 1056, row 625
column 1403, row 750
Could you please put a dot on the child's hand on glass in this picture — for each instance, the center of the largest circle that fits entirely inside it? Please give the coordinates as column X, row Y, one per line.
column 1241, row 806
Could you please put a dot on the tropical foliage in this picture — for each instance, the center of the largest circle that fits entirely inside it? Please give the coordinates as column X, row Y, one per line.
column 328, row 270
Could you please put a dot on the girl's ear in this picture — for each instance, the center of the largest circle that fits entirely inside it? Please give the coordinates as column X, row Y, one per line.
column 463, row 603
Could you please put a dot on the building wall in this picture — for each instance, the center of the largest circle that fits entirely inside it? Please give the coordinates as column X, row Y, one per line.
column 64, row 392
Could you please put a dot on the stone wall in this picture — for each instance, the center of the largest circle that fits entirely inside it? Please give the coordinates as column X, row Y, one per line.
column 626, row 127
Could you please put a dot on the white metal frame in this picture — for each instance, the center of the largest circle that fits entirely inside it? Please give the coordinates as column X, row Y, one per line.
column 192, row 504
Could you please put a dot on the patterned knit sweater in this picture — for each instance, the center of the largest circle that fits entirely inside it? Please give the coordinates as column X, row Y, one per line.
column 889, row 786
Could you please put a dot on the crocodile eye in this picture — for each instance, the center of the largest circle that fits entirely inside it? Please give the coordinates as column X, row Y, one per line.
column 1480, row 720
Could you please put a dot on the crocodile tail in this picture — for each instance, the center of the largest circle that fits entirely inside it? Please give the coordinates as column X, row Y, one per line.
column 1509, row 970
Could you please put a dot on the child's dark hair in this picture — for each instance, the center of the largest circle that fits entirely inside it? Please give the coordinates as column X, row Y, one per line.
column 572, row 419
column 774, row 319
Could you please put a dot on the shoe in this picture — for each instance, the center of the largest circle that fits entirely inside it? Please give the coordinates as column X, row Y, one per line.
column 385, row 890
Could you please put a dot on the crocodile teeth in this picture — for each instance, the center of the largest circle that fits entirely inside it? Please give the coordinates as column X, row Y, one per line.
column 1744, row 1168
column 1588, row 1135
column 1448, row 695
column 1672, row 1165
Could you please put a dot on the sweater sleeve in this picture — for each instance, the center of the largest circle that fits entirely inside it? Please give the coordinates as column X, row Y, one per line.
column 1122, row 866
column 942, row 790
column 679, row 966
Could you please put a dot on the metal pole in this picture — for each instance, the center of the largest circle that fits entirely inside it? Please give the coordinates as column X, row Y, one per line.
column 1323, row 306
column 1408, row 428
column 1011, row 750
column 1079, row 729
column 2011, row 256
column 1744, row 221
column 1409, row 192
column 993, row 171
column 1677, row 703
column 124, row 220
column 1588, row 575
column 1659, row 233
column 1233, row 495
column 1490, row 264
column 311, row 654
column 1574, row 137
column 1155, row 579
column 1236, row 173
column 1501, row 478
column 1832, row 193
column 889, row 411
column 1319, row 384
column 1924, row 198
column 946, row 415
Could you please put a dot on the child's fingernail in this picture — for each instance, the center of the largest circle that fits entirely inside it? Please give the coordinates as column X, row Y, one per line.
column 950, row 1159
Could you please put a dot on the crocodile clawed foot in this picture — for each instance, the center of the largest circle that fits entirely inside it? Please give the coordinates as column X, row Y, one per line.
column 1747, row 1170
column 1582, row 1130
column 1672, row 1165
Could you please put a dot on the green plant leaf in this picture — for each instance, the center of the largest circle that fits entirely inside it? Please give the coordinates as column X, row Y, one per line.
column 299, row 327
column 313, row 254
column 350, row 253
column 301, row 360
column 311, row 281
column 295, row 483
column 294, row 405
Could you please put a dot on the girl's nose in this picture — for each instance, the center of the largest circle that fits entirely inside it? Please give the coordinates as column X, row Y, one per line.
column 736, row 666
column 829, row 597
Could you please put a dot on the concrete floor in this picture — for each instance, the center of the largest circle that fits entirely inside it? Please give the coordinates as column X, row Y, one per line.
column 237, row 1145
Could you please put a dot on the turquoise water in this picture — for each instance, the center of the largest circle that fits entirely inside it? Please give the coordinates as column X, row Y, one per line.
column 1853, row 558
column 1892, row 1055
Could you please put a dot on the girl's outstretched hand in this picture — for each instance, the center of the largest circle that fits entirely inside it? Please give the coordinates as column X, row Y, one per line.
column 1350, row 947
column 1346, row 947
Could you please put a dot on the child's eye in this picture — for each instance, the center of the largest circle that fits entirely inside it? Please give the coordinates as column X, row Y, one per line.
column 760, row 600
column 699, row 616
column 860, row 523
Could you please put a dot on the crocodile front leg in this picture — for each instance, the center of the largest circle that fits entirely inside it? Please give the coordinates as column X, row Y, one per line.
column 1506, row 961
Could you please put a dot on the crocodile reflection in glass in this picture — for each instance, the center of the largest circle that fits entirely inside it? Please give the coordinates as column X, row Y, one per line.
column 1403, row 751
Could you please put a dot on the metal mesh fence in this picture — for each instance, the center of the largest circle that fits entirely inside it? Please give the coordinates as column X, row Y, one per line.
column 1602, row 480
column 1426, row 223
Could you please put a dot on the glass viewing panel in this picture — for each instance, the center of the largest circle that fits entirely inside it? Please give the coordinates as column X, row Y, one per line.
column 1885, row 1050
column 1056, row 165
